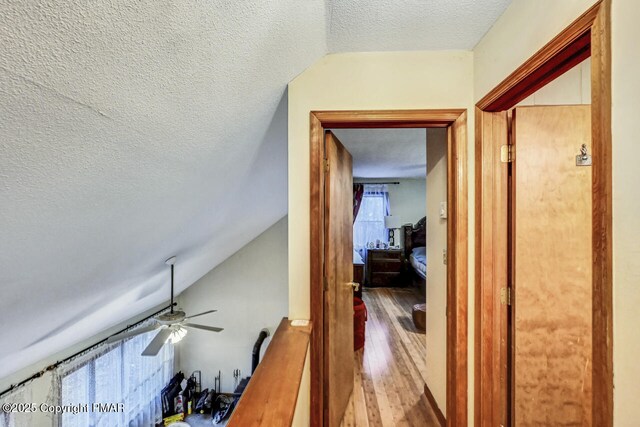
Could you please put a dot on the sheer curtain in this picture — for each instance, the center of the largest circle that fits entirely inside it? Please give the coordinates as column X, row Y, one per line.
column 116, row 374
column 17, row 419
column 369, row 224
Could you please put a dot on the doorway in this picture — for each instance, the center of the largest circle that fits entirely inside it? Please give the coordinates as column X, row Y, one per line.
column 328, row 290
column 498, row 252
column 399, row 180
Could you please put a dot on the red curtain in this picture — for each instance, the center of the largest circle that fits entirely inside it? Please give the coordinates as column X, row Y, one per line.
column 358, row 192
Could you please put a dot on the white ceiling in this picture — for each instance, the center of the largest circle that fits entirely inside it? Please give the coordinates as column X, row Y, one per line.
column 388, row 25
column 386, row 153
column 133, row 131
column 130, row 132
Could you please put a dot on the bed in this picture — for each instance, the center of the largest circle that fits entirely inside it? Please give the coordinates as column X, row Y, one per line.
column 415, row 242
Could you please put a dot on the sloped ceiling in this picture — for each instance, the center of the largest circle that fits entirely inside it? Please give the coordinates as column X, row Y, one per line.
column 133, row 131
column 130, row 132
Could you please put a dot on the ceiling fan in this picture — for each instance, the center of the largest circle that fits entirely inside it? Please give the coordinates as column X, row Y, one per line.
column 171, row 325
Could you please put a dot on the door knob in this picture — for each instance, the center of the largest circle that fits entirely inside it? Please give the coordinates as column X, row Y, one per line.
column 354, row 285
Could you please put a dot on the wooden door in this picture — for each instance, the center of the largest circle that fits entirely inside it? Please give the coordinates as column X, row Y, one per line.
column 338, row 275
column 552, row 267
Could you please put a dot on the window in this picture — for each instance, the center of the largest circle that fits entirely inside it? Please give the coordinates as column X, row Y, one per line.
column 117, row 374
column 369, row 224
column 21, row 395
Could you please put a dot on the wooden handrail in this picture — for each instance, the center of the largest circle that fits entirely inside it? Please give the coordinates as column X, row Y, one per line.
column 271, row 395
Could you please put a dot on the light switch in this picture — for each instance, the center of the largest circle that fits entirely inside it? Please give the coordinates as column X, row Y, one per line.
column 443, row 210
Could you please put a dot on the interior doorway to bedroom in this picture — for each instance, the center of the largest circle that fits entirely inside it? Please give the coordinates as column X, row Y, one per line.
column 332, row 310
column 399, row 260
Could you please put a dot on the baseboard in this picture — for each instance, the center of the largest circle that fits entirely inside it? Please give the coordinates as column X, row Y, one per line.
column 434, row 405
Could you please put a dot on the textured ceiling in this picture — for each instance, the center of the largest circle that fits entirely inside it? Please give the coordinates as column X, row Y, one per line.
column 386, row 153
column 130, row 132
column 383, row 25
column 133, row 131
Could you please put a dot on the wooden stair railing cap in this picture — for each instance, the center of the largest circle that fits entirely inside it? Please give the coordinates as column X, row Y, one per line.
column 272, row 393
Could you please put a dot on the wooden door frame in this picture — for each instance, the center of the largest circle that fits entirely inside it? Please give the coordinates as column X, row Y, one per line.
column 589, row 35
column 457, row 236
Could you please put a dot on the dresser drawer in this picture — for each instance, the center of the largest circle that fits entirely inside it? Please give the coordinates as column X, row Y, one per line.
column 386, row 265
column 385, row 255
column 384, row 279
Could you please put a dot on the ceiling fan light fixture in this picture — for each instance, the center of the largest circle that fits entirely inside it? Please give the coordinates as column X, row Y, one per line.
column 178, row 332
column 171, row 326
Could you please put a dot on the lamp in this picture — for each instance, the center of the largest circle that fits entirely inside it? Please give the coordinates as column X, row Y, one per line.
column 177, row 333
column 391, row 223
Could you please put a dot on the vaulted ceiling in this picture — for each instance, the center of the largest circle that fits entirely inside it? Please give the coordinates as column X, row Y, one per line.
column 133, row 131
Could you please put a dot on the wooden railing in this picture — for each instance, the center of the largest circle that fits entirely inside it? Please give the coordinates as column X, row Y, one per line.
column 271, row 395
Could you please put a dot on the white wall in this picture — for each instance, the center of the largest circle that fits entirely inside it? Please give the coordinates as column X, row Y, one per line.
column 524, row 28
column 408, row 199
column 626, row 211
column 365, row 81
column 249, row 290
column 436, row 269
column 527, row 25
column 302, row 415
column 571, row 88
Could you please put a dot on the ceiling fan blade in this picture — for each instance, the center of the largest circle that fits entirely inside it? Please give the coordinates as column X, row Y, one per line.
column 156, row 344
column 200, row 314
column 132, row 333
column 203, row 327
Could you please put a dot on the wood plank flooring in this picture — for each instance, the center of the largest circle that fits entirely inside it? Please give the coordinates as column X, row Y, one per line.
column 390, row 370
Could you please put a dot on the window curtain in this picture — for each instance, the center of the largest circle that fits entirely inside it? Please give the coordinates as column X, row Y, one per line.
column 22, row 395
column 369, row 224
column 358, row 192
column 116, row 373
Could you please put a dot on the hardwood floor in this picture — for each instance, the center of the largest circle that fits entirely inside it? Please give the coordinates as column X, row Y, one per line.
column 390, row 370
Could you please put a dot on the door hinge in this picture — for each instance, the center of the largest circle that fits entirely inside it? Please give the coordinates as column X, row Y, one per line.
column 507, row 153
column 326, row 165
column 505, row 296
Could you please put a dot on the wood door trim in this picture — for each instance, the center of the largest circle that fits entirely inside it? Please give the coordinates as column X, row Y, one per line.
column 457, row 276
column 317, row 257
column 566, row 50
column 594, row 26
column 601, row 141
column 491, row 265
column 457, row 336
column 387, row 118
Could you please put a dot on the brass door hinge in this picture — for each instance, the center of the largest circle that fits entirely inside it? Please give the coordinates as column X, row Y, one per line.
column 326, row 165
column 505, row 296
column 507, row 153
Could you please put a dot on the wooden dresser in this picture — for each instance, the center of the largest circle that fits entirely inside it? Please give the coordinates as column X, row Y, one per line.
column 384, row 267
